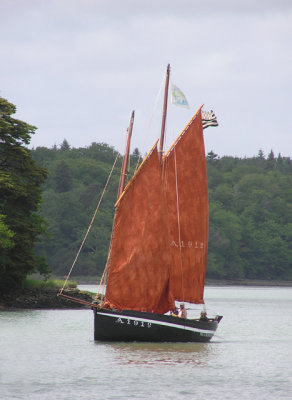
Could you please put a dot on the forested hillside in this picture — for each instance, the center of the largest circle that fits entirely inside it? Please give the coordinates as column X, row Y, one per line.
column 250, row 211
column 250, row 217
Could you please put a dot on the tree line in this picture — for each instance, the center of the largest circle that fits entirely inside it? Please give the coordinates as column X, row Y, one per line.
column 250, row 229
column 48, row 197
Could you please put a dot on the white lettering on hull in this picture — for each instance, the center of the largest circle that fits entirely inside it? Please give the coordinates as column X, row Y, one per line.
column 135, row 322
column 206, row 334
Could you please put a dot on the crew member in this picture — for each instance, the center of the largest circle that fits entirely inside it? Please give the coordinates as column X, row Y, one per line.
column 182, row 311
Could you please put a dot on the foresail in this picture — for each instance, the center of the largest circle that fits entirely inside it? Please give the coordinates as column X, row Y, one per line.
column 185, row 182
column 139, row 261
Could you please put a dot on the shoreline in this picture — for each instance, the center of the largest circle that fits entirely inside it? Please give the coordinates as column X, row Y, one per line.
column 42, row 299
column 83, row 280
column 48, row 299
column 248, row 282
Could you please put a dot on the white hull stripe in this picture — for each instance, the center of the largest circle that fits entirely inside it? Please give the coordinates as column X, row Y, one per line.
column 156, row 322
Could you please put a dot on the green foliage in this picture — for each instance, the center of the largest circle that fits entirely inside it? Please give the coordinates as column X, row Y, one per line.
column 250, row 231
column 63, row 177
column 250, row 217
column 30, row 283
column 6, row 236
column 20, row 194
column 71, row 193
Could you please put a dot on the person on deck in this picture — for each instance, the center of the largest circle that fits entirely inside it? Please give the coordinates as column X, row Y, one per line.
column 203, row 316
column 182, row 311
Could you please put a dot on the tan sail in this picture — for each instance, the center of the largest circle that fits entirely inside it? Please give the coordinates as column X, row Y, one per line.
column 139, row 263
column 185, row 182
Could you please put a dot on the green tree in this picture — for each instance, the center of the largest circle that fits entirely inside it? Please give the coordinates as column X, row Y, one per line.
column 20, row 194
column 63, row 177
column 65, row 146
column 271, row 161
column 6, row 236
column 212, row 158
column 136, row 153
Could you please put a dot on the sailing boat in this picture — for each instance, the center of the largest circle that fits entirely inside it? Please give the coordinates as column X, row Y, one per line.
column 158, row 251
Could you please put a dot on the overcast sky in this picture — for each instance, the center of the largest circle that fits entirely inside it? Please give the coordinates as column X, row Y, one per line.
column 77, row 68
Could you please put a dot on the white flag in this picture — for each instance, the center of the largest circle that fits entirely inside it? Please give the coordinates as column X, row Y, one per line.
column 178, row 98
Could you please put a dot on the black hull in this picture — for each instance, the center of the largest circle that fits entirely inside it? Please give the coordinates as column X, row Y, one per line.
column 131, row 326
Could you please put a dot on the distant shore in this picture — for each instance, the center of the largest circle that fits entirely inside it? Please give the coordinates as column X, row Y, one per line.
column 43, row 299
column 247, row 282
column 83, row 280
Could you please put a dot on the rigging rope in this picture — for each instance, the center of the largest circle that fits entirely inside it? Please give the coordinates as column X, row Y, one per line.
column 103, row 279
column 151, row 117
column 91, row 223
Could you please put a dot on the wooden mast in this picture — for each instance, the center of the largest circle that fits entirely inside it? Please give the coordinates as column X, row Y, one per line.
column 126, row 157
column 164, row 112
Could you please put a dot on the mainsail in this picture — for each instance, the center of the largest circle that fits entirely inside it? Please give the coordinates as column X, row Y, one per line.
column 139, row 263
column 185, row 182
column 160, row 236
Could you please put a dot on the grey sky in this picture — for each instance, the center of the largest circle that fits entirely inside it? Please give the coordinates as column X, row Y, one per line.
column 77, row 68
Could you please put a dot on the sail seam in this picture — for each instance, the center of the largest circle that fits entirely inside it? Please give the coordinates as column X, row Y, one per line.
column 178, row 226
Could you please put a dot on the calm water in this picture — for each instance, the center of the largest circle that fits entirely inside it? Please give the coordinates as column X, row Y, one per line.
column 51, row 355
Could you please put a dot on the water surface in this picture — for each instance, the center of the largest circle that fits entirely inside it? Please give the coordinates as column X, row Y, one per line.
column 51, row 354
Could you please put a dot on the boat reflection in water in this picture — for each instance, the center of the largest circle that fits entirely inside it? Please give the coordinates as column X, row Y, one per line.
column 196, row 354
